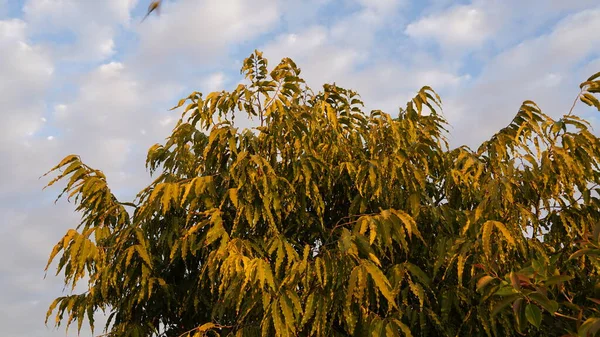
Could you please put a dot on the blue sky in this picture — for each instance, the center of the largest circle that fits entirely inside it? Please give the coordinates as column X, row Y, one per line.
column 86, row 77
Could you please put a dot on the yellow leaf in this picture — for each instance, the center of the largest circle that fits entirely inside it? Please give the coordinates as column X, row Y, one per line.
column 409, row 224
column 233, row 195
column 206, row 326
column 381, row 282
column 372, row 231
column 486, row 237
column 418, row 291
column 186, row 192
column 288, row 314
column 280, row 328
column 484, row 281
column 505, row 232
column 309, row 310
column 461, row 267
column 268, row 274
column 144, row 255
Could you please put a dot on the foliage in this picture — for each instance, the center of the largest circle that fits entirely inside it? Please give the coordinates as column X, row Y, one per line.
column 327, row 221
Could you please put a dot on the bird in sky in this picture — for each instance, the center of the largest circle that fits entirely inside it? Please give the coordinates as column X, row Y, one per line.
column 154, row 5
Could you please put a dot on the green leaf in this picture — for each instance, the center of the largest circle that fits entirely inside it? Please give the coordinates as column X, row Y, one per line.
column 502, row 304
column 550, row 305
column 403, row 327
column 533, row 315
column 505, row 291
column 557, row 279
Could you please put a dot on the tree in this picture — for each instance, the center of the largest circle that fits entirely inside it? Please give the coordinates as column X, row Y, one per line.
column 327, row 221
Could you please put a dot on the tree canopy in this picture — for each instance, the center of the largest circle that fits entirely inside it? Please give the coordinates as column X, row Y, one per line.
column 326, row 220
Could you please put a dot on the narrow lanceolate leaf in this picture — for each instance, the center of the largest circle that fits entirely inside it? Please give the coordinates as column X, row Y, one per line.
column 418, row 273
column 309, row 310
column 590, row 100
column 61, row 245
column 402, row 327
column 505, row 232
column 144, row 255
column 288, row 313
column 278, row 323
column 460, row 265
column 486, row 237
column 381, row 282
column 594, row 77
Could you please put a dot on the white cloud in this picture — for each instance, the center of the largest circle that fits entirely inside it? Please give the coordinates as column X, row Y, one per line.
column 111, row 102
column 299, row 14
column 536, row 69
column 63, row 13
column 214, row 82
column 111, row 69
column 25, row 75
column 194, row 32
column 96, row 22
column 309, row 47
column 439, row 79
column 382, row 6
column 27, row 234
column 11, row 30
column 24, row 66
column 547, row 81
column 576, row 36
column 332, row 51
column 459, row 26
column 571, row 40
column 332, row 54
column 60, row 111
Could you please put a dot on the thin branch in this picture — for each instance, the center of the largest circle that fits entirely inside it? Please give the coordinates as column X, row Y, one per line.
column 565, row 316
column 575, row 102
column 267, row 104
column 217, row 326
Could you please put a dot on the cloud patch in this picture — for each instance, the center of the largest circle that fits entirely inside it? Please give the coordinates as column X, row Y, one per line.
column 460, row 26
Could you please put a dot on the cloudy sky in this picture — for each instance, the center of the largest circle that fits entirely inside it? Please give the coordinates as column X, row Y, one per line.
column 85, row 77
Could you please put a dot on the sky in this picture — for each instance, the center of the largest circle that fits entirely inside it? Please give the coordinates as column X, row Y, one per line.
column 87, row 77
